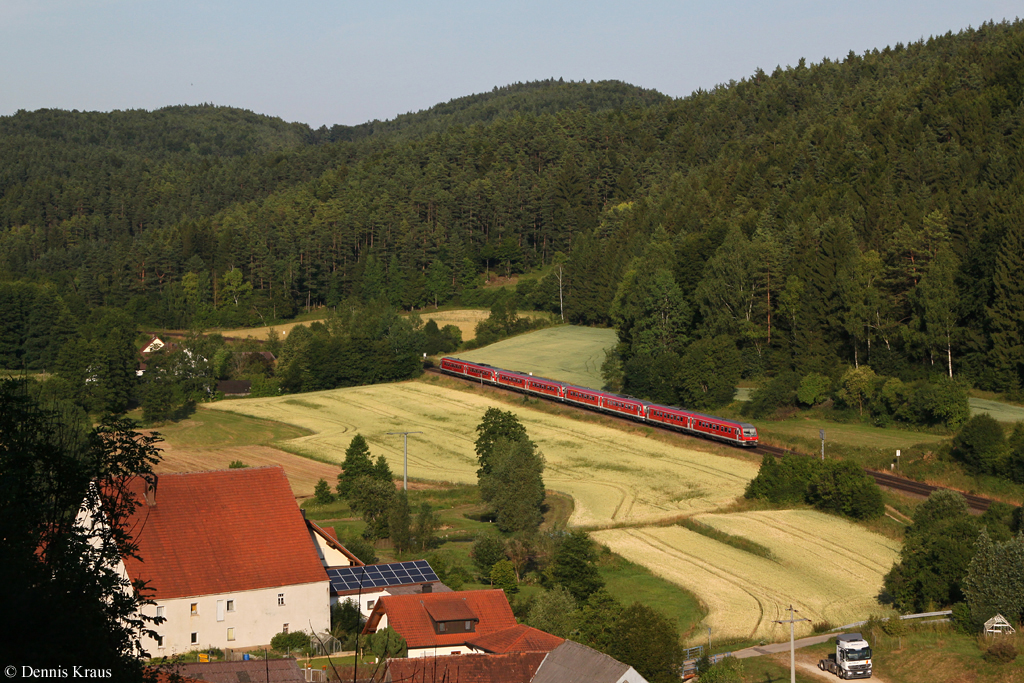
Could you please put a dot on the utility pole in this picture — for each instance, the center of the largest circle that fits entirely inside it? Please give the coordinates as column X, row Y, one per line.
column 405, row 473
column 792, row 650
column 821, row 433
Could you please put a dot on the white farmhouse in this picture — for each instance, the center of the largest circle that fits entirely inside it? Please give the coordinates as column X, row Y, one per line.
column 229, row 559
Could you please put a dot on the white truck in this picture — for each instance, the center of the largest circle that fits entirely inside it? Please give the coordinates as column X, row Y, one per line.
column 852, row 658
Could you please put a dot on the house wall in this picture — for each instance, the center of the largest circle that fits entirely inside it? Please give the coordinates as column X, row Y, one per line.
column 256, row 618
column 331, row 557
column 364, row 598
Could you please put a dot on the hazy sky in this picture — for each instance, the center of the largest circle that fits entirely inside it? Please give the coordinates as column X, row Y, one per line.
column 325, row 62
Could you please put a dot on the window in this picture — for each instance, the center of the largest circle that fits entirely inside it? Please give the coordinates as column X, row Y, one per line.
column 195, row 609
column 231, row 634
column 469, row 626
column 195, row 637
column 280, row 599
column 231, row 605
column 441, row 627
column 159, row 641
column 369, row 604
column 284, row 629
column 160, row 610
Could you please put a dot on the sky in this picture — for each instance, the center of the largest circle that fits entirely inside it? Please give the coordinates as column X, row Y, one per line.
column 341, row 62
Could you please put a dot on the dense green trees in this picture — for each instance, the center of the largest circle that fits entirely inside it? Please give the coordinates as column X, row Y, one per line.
column 60, row 572
column 791, row 222
column 573, row 566
column 936, row 555
column 839, row 487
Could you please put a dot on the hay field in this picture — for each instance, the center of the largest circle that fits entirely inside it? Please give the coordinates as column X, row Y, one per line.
column 614, row 476
column 828, row 568
column 568, row 353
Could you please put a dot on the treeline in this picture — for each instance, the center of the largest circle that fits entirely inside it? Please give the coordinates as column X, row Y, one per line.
column 860, row 212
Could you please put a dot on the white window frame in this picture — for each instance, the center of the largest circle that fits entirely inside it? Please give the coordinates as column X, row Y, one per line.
column 280, row 599
column 194, row 637
column 231, row 633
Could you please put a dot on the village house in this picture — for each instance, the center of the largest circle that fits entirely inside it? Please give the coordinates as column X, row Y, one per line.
column 442, row 623
column 229, row 559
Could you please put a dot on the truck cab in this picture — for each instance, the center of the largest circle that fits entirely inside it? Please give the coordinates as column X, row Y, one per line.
column 852, row 658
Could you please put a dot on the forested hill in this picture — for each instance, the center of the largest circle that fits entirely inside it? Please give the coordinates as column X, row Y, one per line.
column 816, row 217
column 533, row 98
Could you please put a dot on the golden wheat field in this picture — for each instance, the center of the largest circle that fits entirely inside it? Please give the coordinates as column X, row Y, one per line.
column 828, row 568
column 614, row 476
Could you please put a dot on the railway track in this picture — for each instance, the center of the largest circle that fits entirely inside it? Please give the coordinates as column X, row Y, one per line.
column 890, row 481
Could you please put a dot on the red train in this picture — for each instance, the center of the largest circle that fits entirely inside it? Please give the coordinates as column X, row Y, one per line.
column 737, row 433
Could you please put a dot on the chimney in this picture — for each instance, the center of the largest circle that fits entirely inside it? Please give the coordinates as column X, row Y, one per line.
column 303, row 511
column 427, row 588
column 151, row 491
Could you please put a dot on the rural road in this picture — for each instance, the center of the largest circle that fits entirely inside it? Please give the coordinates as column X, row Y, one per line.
column 809, row 666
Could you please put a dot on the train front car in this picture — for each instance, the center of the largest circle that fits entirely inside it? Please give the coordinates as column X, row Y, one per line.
column 748, row 435
column 722, row 430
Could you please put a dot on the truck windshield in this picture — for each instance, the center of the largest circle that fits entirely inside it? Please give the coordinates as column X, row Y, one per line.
column 858, row 655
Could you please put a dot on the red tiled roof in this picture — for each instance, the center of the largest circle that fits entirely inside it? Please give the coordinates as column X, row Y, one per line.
column 220, row 532
column 519, row 638
column 517, row 667
column 408, row 615
column 453, row 609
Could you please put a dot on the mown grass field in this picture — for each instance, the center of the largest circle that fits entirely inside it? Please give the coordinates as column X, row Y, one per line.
column 567, row 352
column 828, row 568
column 614, row 476
column 213, row 439
column 806, row 429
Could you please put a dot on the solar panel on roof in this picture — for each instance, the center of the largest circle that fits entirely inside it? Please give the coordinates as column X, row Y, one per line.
column 380, row 575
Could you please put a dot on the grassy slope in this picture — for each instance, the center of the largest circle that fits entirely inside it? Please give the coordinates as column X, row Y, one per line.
column 568, row 353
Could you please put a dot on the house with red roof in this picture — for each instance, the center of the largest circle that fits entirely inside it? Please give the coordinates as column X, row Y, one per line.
column 442, row 623
column 229, row 559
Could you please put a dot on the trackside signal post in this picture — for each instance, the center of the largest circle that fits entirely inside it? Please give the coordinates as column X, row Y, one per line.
column 792, row 650
column 405, row 472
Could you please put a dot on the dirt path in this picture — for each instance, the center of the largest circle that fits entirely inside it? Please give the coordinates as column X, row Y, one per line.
column 302, row 473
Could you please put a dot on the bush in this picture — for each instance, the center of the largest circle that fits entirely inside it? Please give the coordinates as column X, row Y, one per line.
column 1001, row 652
column 821, row 627
column 296, row 641
column 322, row 493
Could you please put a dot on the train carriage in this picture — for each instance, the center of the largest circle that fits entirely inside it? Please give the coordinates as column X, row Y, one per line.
column 546, row 387
column 585, row 397
column 455, row 366
column 630, row 407
column 675, row 418
column 512, row 380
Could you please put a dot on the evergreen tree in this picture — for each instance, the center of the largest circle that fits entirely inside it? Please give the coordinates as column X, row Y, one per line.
column 322, row 493
column 1006, row 313
column 995, row 580
column 357, row 464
